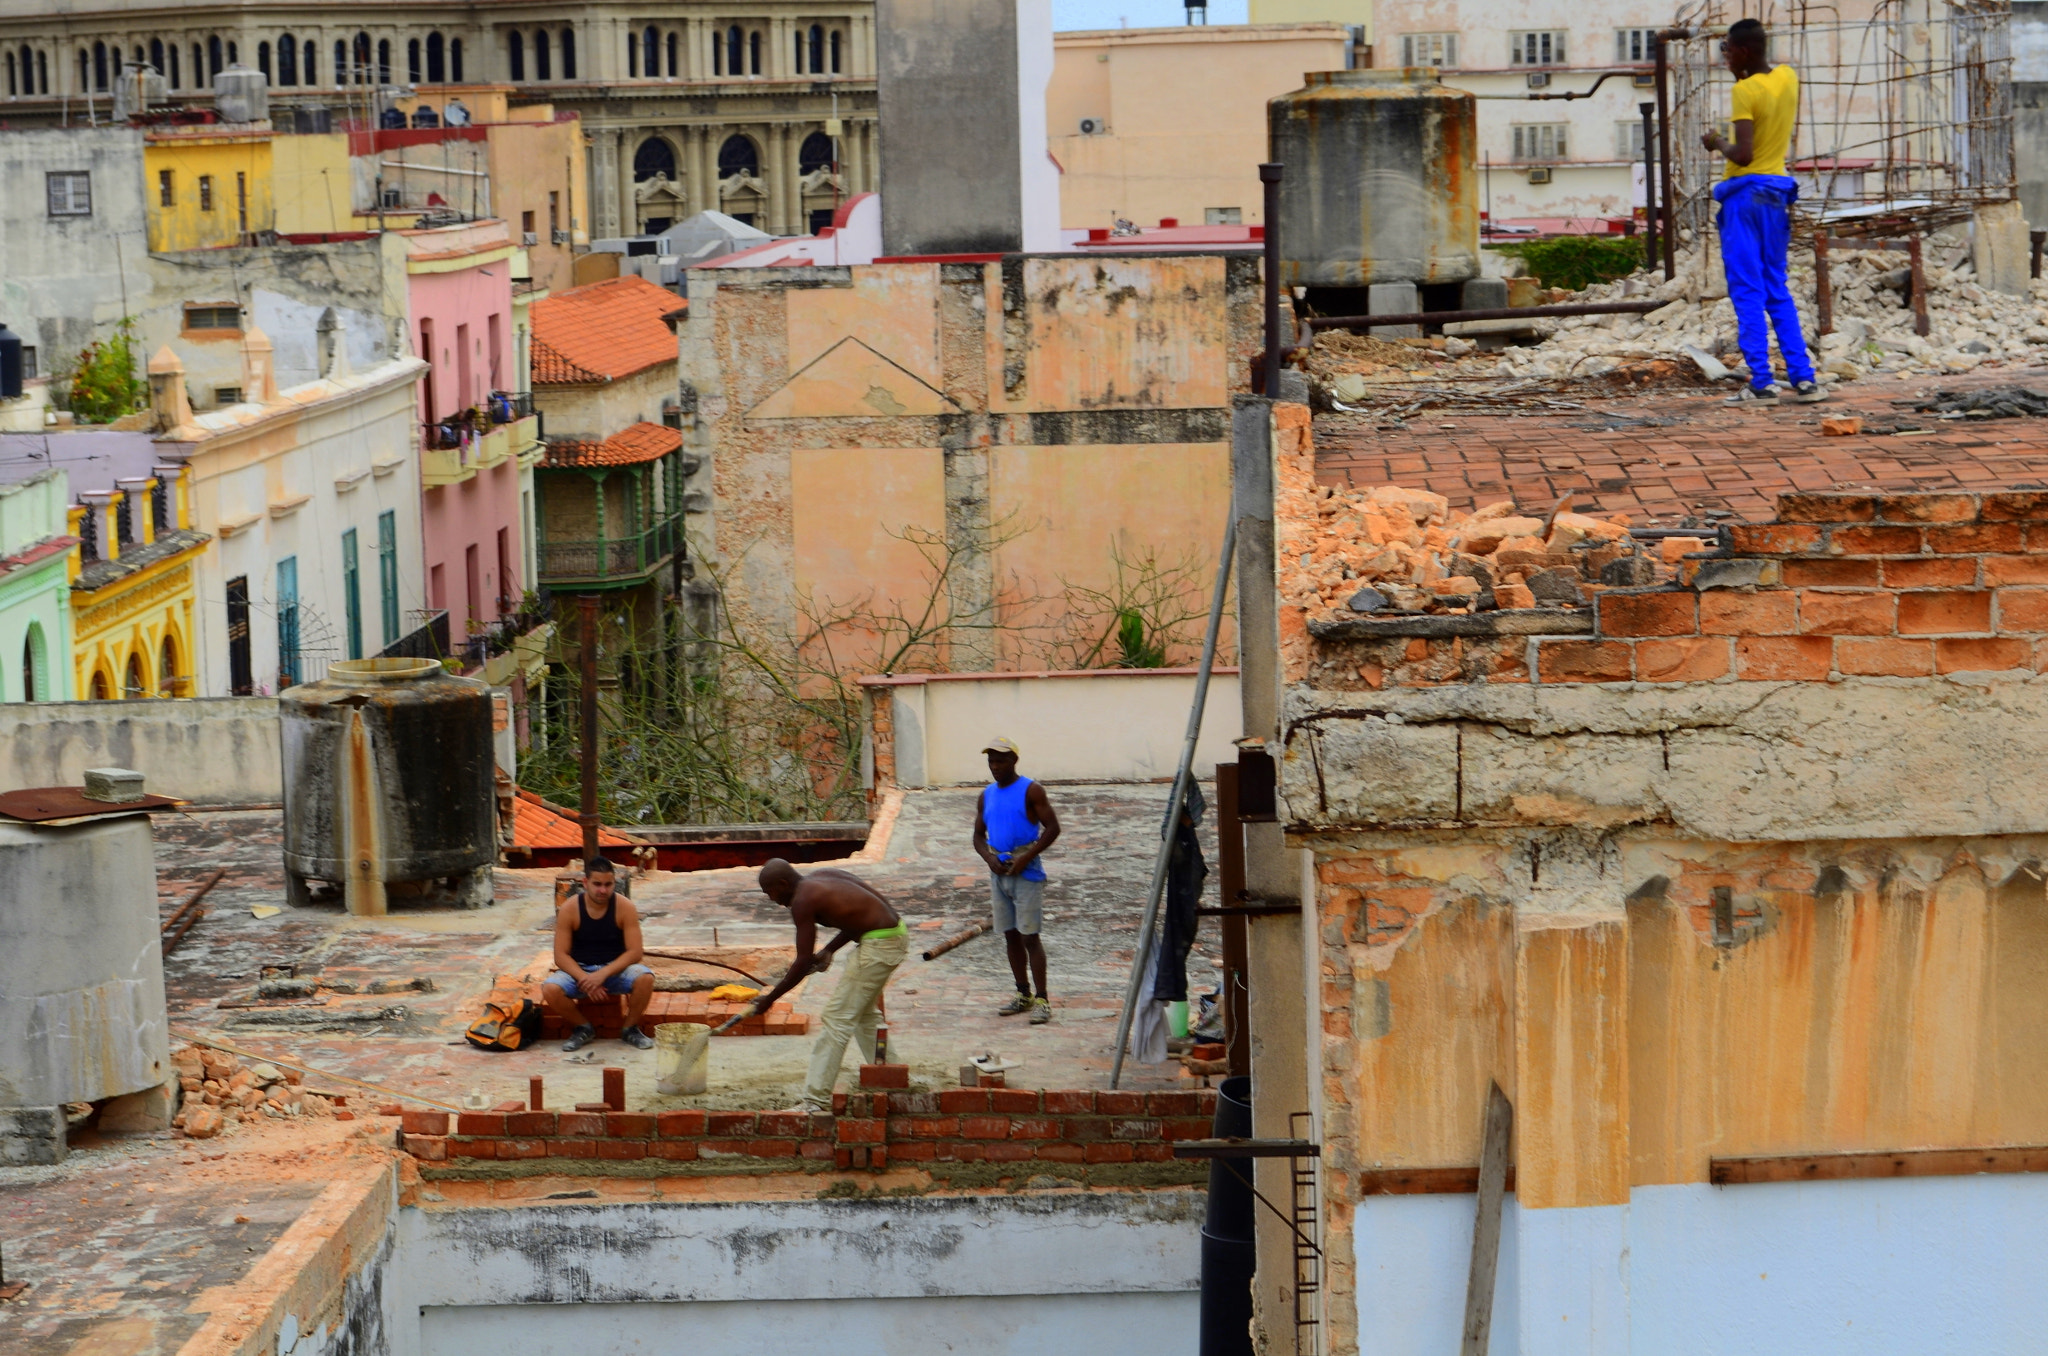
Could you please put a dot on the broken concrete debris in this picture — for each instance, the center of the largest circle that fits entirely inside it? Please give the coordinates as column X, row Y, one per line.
column 219, row 1092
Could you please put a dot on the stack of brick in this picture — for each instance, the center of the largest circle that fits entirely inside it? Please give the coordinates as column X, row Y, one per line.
column 866, row 1129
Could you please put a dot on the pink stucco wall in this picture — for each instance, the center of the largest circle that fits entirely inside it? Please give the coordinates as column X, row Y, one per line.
column 469, row 515
column 441, row 304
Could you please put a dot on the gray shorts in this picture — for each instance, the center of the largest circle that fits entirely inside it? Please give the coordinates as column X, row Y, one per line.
column 1019, row 903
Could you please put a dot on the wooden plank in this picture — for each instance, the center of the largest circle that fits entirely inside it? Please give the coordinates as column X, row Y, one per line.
column 1456, row 1181
column 1493, row 1174
column 1845, row 1167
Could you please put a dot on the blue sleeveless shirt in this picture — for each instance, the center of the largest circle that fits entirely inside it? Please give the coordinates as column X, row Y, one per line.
column 1009, row 824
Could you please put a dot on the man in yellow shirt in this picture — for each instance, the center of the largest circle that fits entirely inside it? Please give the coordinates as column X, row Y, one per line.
column 1756, row 197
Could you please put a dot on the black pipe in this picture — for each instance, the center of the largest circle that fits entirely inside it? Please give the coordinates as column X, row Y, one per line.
column 1269, row 175
column 1669, row 225
column 1373, row 322
column 1229, row 1249
column 1649, row 112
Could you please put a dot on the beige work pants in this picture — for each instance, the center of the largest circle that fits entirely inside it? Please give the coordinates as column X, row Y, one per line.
column 851, row 1013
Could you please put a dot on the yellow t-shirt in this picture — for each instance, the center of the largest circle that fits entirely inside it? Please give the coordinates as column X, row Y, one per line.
column 1771, row 102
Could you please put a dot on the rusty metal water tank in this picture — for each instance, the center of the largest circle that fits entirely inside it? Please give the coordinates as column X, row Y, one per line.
column 1380, row 184
column 389, row 785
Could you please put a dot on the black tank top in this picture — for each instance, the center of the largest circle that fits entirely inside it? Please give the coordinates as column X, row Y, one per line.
column 598, row 941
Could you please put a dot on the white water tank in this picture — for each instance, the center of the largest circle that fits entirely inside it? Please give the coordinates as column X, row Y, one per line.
column 241, row 95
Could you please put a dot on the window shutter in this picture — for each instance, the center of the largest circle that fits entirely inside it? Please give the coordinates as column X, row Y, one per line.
column 1451, row 50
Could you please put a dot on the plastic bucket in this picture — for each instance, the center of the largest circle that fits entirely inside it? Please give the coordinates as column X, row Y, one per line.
column 682, row 1058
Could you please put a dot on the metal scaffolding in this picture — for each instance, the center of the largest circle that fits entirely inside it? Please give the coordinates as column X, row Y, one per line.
column 1905, row 110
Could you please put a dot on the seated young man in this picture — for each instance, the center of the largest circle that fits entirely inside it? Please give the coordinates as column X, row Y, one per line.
column 597, row 950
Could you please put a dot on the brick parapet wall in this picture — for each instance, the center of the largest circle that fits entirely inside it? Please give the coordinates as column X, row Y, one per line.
column 866, row 1130
column 1840, row 586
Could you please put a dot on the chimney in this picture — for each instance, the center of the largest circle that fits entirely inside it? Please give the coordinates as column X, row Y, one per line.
column 167, row 396
column 259, row 376
column 961, row 105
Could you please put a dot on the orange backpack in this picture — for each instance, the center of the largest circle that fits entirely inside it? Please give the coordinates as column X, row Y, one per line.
column 503, row 1028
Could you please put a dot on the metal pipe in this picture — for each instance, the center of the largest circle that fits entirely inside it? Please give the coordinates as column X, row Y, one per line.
column 587, row 615
column 192, row 899
column 1185, row 772
column 1649, row 112
column 1670, row 227
column 1355, row 322
column 1269, row 175
column 959, row 938
column 1605, row 76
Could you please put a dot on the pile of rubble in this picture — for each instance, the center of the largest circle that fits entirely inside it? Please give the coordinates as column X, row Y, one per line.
column 1390, row 551
column 1873, row 320
column 221, row 1092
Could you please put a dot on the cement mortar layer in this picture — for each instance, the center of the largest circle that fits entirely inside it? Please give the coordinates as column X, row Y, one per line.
column 1745, row 761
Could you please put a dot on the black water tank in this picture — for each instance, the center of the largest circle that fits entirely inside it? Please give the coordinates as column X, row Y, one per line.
column 10, row 364
column 1228, row 1250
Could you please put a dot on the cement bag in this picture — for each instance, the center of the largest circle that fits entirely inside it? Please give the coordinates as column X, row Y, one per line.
column 682, row 1058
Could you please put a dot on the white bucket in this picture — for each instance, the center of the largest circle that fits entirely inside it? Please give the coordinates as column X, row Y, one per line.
column 682, row 1058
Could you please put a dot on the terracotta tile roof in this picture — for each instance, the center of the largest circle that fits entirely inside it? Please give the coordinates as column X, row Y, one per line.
column 604, row 331
column 639, row 442
column 537, row 823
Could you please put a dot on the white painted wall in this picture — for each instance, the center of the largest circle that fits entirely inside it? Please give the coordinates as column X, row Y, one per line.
column 1899, row 1267
column 215, row 751
column 1122, row 725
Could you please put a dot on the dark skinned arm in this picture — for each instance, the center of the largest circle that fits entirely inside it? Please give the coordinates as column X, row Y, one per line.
column 1740, row 151
column 629, row 925
column 1039, row 808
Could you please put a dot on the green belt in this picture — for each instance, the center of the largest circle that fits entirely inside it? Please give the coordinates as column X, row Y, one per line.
column 901, row 929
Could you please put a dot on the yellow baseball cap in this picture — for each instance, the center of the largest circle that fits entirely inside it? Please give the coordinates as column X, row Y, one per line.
column 1002, row 745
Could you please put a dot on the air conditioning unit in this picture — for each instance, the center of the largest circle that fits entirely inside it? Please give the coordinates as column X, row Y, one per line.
column 558, row 237
column 529, row 237
column 1539, row 79
column 1093, row 127
column 1539, row 175
column 1645, row 80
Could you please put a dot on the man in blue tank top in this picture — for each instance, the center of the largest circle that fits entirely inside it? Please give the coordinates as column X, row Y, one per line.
column 1013, row 824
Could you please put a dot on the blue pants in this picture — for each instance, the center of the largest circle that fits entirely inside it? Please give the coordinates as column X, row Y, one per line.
column 1756, row 230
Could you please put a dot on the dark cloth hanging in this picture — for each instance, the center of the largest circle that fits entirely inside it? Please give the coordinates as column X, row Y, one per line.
column 1185, row 872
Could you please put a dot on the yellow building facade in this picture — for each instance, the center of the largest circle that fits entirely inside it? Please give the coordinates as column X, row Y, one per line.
column 207, row 186
column 134, row 589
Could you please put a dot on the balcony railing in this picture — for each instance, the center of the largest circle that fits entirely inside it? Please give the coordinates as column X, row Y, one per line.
column 494, row 638
column 428, row 641
column 620, row 559
column 506, row 406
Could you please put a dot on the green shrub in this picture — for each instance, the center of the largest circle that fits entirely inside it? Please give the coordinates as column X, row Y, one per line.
column 103, row 384
column 1578, row 261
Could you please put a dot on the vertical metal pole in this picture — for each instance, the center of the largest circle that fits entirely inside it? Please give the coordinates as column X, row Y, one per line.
column 1236, row 941
column 586, row 607
column 1663, row 195
column 1823, row 288
column 1269, row 175
column 1649, row 112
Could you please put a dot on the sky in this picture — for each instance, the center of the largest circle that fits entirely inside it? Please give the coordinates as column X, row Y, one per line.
column 1068, row 14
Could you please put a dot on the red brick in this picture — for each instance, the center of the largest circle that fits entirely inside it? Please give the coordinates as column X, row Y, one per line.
column 1649, row 614
column 1941, row 572
column 1783, row 658
column 1070, row 1103
column 721, row 1148
column 1886, row 656
column 850, row 1156
column 1846, row 614
column 480, row 1123
column 1989, row 654
column 2023, row 609
column 677, row 1124
column 580, row 1123
column 885, row 1075
column 1939, row 614
column 1014, row 1101
column 423, row 1122
column 675, row 1150
column 1928, row 508
column 1748, row 614
column 771, row 1148
column 1584, row 661
column 730, row 1123
column 1009, row 1153
column 1172, row 1103
column 572, row 1148
column 1772, row 539
column 860, row 1130
column 472, row 1148
column 820, row 1150
column 1107, row 1152
column 788, row 1124
column 1976, row 539
column 427, row 1148
column 1154, row 1153
column 2037, row 540
column 878, row 1156
column 1207, row 1098
column 2014, row 506
column 984, row 1127
column 1839, row 574
column 962, row 1151
column 2015, row 570
column 629, row 1124
column 1876, row 541
column 530, row 1123
column 1134, row 1129
column 839, row 1104
column 1688, row 659
column 1061, row 1153
column 1087, row 1127
column 621, row 1149
column 1034, row 1127
column 522, row 1148
column 1120, row 1103
column 957, row 1100
column 924, row 1127
column 512, row 1104
column 914, row 1153
column 1826, row 508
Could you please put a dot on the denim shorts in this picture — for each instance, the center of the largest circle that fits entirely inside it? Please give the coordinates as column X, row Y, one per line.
column 1018, row 903
column 620, row 984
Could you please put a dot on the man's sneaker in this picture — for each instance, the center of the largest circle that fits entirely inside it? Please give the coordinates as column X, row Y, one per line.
column 1754, row 395
column 1020, row 1003
column 1808, row 393
column 637, row 1038
column 1041, row 1012
column 580, row 1037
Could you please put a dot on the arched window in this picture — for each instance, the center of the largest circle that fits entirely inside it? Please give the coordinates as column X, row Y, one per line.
column 138, row 54
column 754, row 52
column 198, row 66
column 738, row 156
column 650, row 52
column 515, row 54
column 817, row 49
column 437, row 69
column 383, row 61
column 263, row 59
column 167, row 681
column 311, row 73
column 43, row 72
column 35, row 686
column 233, row 55
column 156, row 54
column 455, row 61
column 340, row 62
column 412, row 61
column 799, row 67
column 674, row 51
column 361, row 72
column 735, row 51
column 655, row 156
column 102, row 686
column 287, row 59
column 632, row 55
column 84, row 69
column 135, row 683
column 815, row 154
column 717, row 54
column 835, row 51
column 541, row 56
column 568, row 54
column 99, row 65
column 10, row 75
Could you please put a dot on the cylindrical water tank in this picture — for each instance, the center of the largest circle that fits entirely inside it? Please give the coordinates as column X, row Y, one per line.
column 389, row 776
column 81, row 969
column 1379, row 184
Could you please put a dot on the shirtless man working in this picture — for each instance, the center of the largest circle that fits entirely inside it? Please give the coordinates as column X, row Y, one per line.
column 832, row 898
